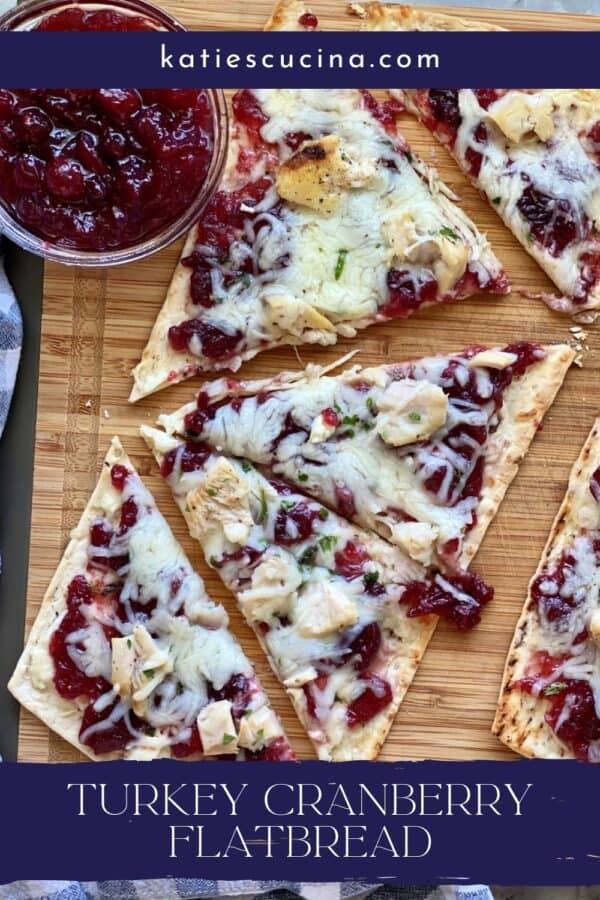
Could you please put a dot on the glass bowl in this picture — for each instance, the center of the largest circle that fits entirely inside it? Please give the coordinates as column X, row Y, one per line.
column 26, row 17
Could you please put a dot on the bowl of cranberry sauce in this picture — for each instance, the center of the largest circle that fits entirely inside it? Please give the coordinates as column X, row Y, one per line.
column 107, row 176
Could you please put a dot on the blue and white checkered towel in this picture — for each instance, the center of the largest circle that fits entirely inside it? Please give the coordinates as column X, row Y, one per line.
column 11, row 336
column 191, row 889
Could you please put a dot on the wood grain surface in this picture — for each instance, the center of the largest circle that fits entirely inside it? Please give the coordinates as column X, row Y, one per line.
column 95, row 325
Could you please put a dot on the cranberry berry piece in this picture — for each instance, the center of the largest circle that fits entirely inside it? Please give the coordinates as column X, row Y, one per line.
column 404, row 296
column 373, row 700
column 572, row 716
column 458, row 598
column 65, row 179
column 444, row 106
column 238, row 690
column 186, row 748
column 119, row 104
column 308, row 20
column 551, row 220
column 200, row 337
column 557, row 592
column 277, row 751
column 365, row 646
column 330, row 417
column 100, row 534
column 107, row 740
column 295, row 523
column 33, row 126
column 350, row 560
column 118, row 476
column 129, row 515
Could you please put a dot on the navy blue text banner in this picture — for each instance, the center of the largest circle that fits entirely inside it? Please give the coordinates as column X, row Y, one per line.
column 502, row 822
column 301, row 60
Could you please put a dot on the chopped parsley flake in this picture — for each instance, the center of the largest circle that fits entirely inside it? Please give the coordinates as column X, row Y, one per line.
column 451, row 235
column 350, row 433
column 350, row 420
column 555, row 688
column 228, row 738
column 370, row 578
column 308, row 557
column 323, row 513
column 264, row 508
column 212, row 492
column 302, row 476
column 414, row 416
column 246, row 466
column 213, row 561
column 327, row 542
column 245, row 280
column 149, row 673
column 531, row 237
column 129, row 645
column 339, row 266
column 370, row 404
column 288, row 504
column 179, row 690
column 260, row 734
column 497, row 200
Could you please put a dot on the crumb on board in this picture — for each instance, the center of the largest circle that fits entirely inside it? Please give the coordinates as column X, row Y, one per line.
column 88, row 403
column 355, row 9
column 106, row 414
column 577, row 338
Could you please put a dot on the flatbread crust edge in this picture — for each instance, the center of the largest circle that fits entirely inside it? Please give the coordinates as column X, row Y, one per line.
column 363, row 742
column 379, row 17
column 157, row 357
column 526, row 402
column 40, row 697
column 519, row 721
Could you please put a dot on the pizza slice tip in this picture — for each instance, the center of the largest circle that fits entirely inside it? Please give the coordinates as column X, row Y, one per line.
column 128, row 656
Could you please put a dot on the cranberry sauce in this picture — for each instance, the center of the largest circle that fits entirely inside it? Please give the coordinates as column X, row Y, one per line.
column 462, row 386
column 295, row 521
column 102, row 170
column 459, row 598
column 69, row 680
column 191, row 457
column 571, row 711
column 373, row 700
column 552, row 220
column 386, row 113
column 557, row 592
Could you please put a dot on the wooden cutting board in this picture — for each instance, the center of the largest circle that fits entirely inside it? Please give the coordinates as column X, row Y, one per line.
column 95, row 325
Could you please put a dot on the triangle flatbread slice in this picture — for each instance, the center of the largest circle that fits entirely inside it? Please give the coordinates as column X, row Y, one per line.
column 291, row 15
column 421, row 452
column 549, row 704
column 513, row 145
column 128, row 657
column 325, row 223
column 343, row 616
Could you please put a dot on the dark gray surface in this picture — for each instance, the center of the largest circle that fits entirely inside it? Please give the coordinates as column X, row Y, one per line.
column 16, row 483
